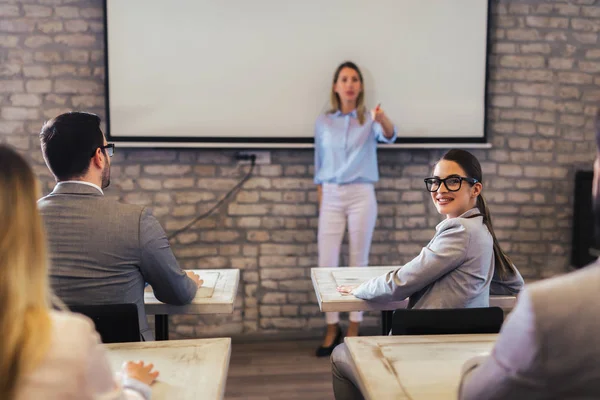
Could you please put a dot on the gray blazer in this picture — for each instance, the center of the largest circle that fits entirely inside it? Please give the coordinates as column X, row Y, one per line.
column 455, row 270
column 549, row 346
column 104, row 251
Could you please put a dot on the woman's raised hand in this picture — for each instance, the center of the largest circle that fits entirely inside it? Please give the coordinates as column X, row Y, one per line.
column 377, row 113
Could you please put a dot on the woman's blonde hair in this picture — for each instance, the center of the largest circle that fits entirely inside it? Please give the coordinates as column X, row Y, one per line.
column 334, row 98
column 25, row 319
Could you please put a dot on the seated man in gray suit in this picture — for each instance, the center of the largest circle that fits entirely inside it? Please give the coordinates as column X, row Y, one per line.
column 102, row 251
column 549, row 347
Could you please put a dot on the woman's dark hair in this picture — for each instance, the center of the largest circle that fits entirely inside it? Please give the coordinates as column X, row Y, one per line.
column 469, row 163
column 69, row 142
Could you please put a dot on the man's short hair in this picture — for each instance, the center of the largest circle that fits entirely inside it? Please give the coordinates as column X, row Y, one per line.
column 68, row 143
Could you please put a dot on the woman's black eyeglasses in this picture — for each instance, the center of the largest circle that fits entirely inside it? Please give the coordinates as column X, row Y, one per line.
column 452, row 183
column 110, row 149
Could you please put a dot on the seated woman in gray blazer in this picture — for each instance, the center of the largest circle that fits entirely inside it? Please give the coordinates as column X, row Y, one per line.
column 459, row 268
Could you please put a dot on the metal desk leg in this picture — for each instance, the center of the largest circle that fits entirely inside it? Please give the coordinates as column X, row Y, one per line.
column 386, row 322
column 161, row 325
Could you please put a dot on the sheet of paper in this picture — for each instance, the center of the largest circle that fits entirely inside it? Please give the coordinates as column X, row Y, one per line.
column 351, row 276
column 208, row 286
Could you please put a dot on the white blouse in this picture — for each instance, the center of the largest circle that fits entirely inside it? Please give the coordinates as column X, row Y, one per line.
column 76, row 367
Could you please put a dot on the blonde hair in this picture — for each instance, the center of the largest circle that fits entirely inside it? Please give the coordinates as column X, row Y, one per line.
column 25, row 317
column 334, row 98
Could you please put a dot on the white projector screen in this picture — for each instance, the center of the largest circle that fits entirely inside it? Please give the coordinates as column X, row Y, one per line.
column 260, row 71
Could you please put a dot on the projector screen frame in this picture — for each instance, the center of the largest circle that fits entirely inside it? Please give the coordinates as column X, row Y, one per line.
column 287, row 142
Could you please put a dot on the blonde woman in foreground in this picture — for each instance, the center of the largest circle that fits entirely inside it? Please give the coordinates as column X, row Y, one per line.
column 46, row 354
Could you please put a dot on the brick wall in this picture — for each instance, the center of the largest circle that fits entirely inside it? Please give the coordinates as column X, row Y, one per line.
column 543, row 91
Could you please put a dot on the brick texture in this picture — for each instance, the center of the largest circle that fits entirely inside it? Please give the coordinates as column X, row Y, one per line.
column 543, row 92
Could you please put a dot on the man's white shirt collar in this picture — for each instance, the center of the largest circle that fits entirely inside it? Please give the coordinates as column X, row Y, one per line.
column 82, row 183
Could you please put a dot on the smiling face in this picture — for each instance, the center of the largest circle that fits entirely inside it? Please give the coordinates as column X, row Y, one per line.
column 454, row 203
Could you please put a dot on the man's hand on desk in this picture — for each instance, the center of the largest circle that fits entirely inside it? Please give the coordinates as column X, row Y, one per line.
column 193, row 276
column 346, row 289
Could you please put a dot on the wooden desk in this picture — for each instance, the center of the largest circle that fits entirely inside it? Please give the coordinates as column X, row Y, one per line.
column 189, row 369
column 326, row 280
column 216, row 296
column 414, row 367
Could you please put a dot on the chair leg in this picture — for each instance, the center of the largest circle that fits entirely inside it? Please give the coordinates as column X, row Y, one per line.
column 161, row 325
column 386, row 322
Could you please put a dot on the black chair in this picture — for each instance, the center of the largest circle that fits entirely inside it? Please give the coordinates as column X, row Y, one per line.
column 447, row 321
column 116, row 323
column 584, row 237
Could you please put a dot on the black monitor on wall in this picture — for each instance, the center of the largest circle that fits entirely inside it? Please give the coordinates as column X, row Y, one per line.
column 584, row 244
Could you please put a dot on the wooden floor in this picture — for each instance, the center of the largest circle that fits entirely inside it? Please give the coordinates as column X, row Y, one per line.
column 278, row 370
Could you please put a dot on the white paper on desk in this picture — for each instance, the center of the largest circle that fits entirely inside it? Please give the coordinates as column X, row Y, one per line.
column 352, row 277
column 208, row 286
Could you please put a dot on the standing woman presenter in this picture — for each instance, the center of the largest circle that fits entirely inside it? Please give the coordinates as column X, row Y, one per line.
column 345, row 171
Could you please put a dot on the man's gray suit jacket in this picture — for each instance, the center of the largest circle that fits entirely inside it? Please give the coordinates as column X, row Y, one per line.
column 103, row 252
column 549, row 347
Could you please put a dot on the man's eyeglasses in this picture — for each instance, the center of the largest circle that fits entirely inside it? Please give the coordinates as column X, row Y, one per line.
column 110, row 149
column 452, row 183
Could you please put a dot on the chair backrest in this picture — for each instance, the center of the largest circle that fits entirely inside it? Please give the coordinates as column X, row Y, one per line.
column 447, row 321
column 116, row 323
